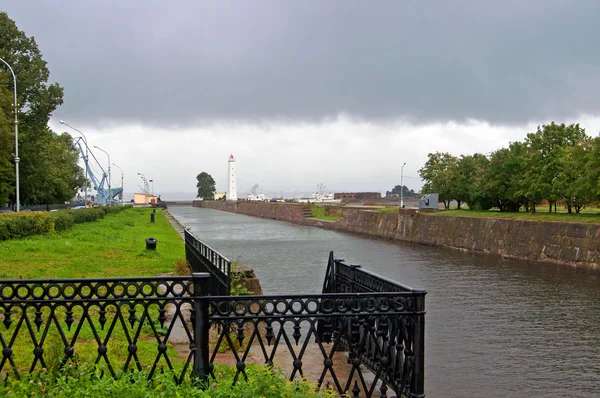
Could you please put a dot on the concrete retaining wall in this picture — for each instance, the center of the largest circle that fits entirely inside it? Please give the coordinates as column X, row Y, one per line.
column 576, row 244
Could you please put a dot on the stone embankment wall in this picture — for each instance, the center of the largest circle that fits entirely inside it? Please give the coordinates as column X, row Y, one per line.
column 576, row 244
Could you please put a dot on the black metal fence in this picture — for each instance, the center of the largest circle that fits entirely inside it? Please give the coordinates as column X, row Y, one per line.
column 358, row 341
column 348, row 278
column 202, row 258
column 129, row 321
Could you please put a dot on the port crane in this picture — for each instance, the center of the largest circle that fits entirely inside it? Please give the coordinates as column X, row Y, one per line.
column 103, row 197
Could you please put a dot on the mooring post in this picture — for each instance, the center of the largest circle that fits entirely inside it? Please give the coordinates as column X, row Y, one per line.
column 151, row 217
column 418, row 380
column 201, row 326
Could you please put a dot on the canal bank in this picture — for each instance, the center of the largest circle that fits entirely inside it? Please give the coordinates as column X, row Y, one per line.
column 495, row 327
column 567, row 243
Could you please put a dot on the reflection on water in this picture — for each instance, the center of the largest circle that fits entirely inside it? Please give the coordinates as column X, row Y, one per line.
column 495, row 328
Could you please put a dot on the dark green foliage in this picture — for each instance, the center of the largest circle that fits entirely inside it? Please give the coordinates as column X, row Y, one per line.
column 206, row 186
column 49, row 172
column 63, row 220
column 87, row 215
column 20, row 225
column 557, row 163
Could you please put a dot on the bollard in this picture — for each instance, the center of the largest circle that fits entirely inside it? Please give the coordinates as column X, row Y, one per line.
column 151, row 243
column 154, row 210
column 151, row 217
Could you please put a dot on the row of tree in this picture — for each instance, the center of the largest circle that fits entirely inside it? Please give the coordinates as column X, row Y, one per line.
column 557, row 164
column 49, row 172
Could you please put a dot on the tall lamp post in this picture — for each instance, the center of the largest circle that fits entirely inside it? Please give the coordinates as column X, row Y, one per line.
column 145, row 182
column 18, row 199
column 122, row 196
column 402, row 186
column 109, row 191
column 85, row 195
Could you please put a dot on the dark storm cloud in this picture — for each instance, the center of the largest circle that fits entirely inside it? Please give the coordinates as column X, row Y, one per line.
column 161, row 62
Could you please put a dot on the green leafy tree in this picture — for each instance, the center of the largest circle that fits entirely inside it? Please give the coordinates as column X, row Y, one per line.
column 206, row 186
column 48, row 167
column 471, row 179
column 7, row 168
column 408, row 193
column 501, row 182
column 546, row 149
column 57, row 176
column 580, row 174
column 437, row 174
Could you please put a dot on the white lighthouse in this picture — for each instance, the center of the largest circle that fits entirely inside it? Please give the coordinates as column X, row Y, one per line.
column 232, row 191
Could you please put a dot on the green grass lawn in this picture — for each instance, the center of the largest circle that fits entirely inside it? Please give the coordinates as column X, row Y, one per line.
column 111, row 247
column 587, row 217
column 389, row 209
column 319, row 213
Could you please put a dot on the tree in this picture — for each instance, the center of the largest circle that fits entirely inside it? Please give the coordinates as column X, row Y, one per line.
column 437, row 174
column 470, row 181
column 501, row 183
column 206, row 186
column 48, row 167
column 545, row 151
column 580, row 174
column 54, row 176
column 408, row 193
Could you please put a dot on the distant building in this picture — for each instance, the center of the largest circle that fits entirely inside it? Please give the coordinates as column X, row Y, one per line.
column 144, row 198
column 357, row 195
column 220, row 196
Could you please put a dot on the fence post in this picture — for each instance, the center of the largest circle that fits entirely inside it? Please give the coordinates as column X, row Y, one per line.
column 417, row 387
column 201, row 368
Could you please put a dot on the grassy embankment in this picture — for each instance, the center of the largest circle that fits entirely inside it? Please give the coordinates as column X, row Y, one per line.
column 110, row 247
column 321, row 213
column 587, row 215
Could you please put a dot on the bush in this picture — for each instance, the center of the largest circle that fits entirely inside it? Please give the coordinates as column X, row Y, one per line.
column 87, row 215
column 20, row 225
column 87, row 381
column 63, row 220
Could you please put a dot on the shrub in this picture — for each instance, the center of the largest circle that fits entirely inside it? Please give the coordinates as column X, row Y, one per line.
column 87, row 215
column 20, row 225
column 87, row 381
column 63, row 220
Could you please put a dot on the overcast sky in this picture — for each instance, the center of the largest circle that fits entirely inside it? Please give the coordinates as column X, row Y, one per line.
column 302, row 92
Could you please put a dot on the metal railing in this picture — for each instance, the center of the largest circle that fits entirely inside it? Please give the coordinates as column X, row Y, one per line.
column 361, row 343
column 202, row 258
column 49, row 321
column 345, row 278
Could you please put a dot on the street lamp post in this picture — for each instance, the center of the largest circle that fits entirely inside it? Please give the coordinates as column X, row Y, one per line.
column 122, row 187
column 18, row 199
column 85, row 195
column 145, row 182
column 402, row 186
column 109, row 191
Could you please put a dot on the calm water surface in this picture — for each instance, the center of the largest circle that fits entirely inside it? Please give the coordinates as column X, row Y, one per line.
column 495, row 328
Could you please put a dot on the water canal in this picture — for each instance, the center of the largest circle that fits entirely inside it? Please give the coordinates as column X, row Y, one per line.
column 495, row 328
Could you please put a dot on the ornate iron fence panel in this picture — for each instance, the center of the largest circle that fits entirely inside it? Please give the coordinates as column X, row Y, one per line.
column 376, row 329
column 135, row 323
column 202, row 258
column 346, row 278
column 51, row 322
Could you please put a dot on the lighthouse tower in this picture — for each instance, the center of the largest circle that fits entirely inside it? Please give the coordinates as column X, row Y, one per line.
column 232, row 190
